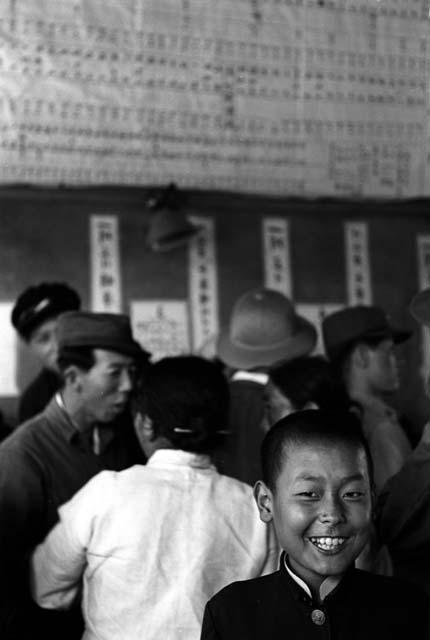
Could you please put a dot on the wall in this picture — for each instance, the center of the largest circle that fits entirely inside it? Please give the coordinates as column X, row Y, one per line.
column 45, row 236
column 288, row 97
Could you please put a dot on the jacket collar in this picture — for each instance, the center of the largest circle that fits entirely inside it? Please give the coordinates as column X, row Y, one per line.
column 177, row 457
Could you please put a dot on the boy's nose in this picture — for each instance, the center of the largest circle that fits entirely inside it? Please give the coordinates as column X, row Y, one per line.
column 331, row 511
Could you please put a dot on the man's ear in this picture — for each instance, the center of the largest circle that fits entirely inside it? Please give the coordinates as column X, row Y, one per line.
column 73, row 377
column 143, row 427
column 361, row 355
column 264, row 499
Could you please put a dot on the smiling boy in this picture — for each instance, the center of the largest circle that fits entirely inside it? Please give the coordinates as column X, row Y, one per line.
column 317, row 493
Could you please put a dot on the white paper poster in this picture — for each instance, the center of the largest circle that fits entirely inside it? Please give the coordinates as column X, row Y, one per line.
column 276, row 253
column 161, row 326
column 423, row 254
column 316, row 313
column 303, row 97
column 359, row 286
column 105, row 264
column 203, row 287
column 8, row 352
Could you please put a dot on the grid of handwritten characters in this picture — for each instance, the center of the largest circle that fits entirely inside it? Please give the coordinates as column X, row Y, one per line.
column 278, row 96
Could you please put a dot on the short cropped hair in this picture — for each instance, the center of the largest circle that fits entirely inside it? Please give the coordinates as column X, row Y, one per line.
column 308, row 427
column 187, row 399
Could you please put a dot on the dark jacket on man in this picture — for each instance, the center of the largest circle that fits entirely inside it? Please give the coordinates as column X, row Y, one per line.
column 42, row 465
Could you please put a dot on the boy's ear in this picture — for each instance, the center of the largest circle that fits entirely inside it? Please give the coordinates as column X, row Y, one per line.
column 264, row 499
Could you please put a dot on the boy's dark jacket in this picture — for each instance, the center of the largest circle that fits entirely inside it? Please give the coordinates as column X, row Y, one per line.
column 363, row 606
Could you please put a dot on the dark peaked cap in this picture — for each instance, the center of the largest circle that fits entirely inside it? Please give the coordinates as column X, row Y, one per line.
column 37, row 304
column 343, row 328
column 110, row 331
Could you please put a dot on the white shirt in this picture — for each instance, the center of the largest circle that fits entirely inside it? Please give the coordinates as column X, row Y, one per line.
column 153, row 543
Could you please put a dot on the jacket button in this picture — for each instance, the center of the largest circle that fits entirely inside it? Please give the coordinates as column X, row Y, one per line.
column 318, row 617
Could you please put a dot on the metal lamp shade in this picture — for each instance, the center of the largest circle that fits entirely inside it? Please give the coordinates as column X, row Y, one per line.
column 169, row 229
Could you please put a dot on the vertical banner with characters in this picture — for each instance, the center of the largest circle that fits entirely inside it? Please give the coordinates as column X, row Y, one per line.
column 276, row 253
column 105, row 266
column 423, row 250
column 203, row 287
column 357, row 263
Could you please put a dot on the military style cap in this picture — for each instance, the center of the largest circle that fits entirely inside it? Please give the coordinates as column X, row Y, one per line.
column 110, row 331
column 40, row 303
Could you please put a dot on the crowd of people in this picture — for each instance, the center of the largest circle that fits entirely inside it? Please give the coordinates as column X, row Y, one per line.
column 265, row 493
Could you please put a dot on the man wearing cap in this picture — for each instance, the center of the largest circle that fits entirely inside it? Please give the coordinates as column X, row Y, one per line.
column 82, row 431
column 264, row 331
column 34, row 316
column 404, row 505
column 359, row 341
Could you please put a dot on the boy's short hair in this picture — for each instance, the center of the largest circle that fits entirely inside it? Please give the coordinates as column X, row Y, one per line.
column 187, row 399
column 308, row 427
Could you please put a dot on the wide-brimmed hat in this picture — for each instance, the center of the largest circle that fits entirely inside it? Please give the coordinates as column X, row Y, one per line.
column 420, row 307
column 110, row 331
column 343, row 328
column 39, row 303
column 264, row 330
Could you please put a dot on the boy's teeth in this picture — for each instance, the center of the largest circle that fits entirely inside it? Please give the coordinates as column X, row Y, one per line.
column 328, row 543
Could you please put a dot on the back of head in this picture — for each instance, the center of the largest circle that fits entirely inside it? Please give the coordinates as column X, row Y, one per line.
column 39, row 303
column 310, row 379
column 264, row 329
column 187, row 399
column 308, row 427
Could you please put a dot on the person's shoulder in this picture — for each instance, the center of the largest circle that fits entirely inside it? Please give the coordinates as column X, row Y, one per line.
column 25, row 437
column 388, row 588
column 234, row 485
column 127, row 481
column 240, row 493
column 245, row 591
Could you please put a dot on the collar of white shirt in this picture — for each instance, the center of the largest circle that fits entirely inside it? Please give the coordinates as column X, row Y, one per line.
column 175, row 457
column 251, row 376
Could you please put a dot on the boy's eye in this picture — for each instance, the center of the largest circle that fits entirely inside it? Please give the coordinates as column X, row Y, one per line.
column 311, row 495
column 354, row 495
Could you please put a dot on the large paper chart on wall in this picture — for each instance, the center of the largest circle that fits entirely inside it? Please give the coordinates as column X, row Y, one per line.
column 307, row 97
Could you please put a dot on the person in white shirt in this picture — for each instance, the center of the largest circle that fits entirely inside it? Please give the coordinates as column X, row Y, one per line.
column 153, row 543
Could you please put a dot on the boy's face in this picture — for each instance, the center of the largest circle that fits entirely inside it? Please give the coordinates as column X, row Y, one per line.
column 320, row 508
